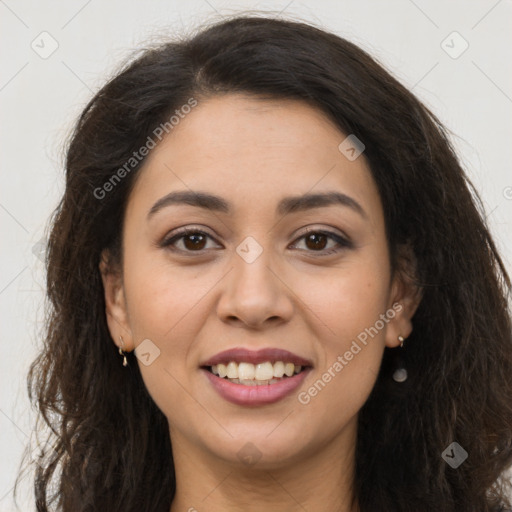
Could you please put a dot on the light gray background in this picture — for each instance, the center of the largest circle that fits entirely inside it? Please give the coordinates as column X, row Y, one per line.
column 41, row 97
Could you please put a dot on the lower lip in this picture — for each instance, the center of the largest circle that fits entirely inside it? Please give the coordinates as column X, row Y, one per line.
column 256, row 395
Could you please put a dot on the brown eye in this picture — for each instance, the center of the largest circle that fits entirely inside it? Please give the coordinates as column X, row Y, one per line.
column 316, row 241
column 194, row 241
column 189, row 240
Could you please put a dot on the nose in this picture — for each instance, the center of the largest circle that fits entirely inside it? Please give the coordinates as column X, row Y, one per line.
column 255, row 295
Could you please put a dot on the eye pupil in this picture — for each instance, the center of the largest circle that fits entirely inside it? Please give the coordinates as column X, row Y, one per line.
column 195, row 239
column 314, row 237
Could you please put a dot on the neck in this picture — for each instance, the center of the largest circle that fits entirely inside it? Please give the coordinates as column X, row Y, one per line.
column 321, row 481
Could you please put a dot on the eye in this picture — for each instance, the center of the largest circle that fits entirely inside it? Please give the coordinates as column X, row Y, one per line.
column 318, row 240
column 192, row 240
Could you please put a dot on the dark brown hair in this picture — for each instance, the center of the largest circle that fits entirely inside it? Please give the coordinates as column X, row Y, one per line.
column 111, row 447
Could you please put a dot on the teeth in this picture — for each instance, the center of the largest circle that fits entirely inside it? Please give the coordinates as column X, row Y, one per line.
column 222, row 370
column 254, row 382
column 232, row 370
column 255, row 374
column 278, row 369
column 245, row 371
column 289, row 368
column 264, row 371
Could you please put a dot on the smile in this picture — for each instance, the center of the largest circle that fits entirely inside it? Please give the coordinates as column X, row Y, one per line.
column 256, row 393
column 249, row 374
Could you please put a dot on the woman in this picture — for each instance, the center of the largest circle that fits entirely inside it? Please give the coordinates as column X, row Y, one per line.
column 272, row 288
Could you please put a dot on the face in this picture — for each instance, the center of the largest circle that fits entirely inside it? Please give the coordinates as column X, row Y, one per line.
column 261, row 269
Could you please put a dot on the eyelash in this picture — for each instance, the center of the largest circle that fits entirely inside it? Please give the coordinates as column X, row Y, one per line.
column 342, row 242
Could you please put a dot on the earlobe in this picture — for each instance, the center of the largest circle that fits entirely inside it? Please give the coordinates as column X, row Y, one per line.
column 115, row 302
column 406, row 296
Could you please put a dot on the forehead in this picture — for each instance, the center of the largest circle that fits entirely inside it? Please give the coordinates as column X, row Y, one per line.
column 254, row 151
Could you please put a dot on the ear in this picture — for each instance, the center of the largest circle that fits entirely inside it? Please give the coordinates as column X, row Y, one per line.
column 405, row 297
column 115, row 302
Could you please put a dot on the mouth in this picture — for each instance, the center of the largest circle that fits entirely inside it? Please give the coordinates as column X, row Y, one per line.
column 247, row 377
column 260, row 374
column 256, row 368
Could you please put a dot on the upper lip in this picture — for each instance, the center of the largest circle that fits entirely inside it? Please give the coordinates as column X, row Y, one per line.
column 239, row 355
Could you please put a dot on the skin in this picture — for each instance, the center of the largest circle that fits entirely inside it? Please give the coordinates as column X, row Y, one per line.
column 192, row 305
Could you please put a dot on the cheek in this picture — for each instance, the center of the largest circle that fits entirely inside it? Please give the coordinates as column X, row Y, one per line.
column 161, row 296
column 348, row 299
column 163, row 306
column 348, row 305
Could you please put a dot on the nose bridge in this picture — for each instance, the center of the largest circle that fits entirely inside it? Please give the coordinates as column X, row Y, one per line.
column 254, row 294
column 252, row 262
column 253, row 280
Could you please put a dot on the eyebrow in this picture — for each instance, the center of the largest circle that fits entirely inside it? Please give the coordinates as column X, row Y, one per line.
column 286, row 205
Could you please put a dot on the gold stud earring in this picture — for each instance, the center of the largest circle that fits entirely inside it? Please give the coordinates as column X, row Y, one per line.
column 125, row 362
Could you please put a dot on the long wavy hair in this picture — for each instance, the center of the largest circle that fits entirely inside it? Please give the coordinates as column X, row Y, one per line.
column 108, row 445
